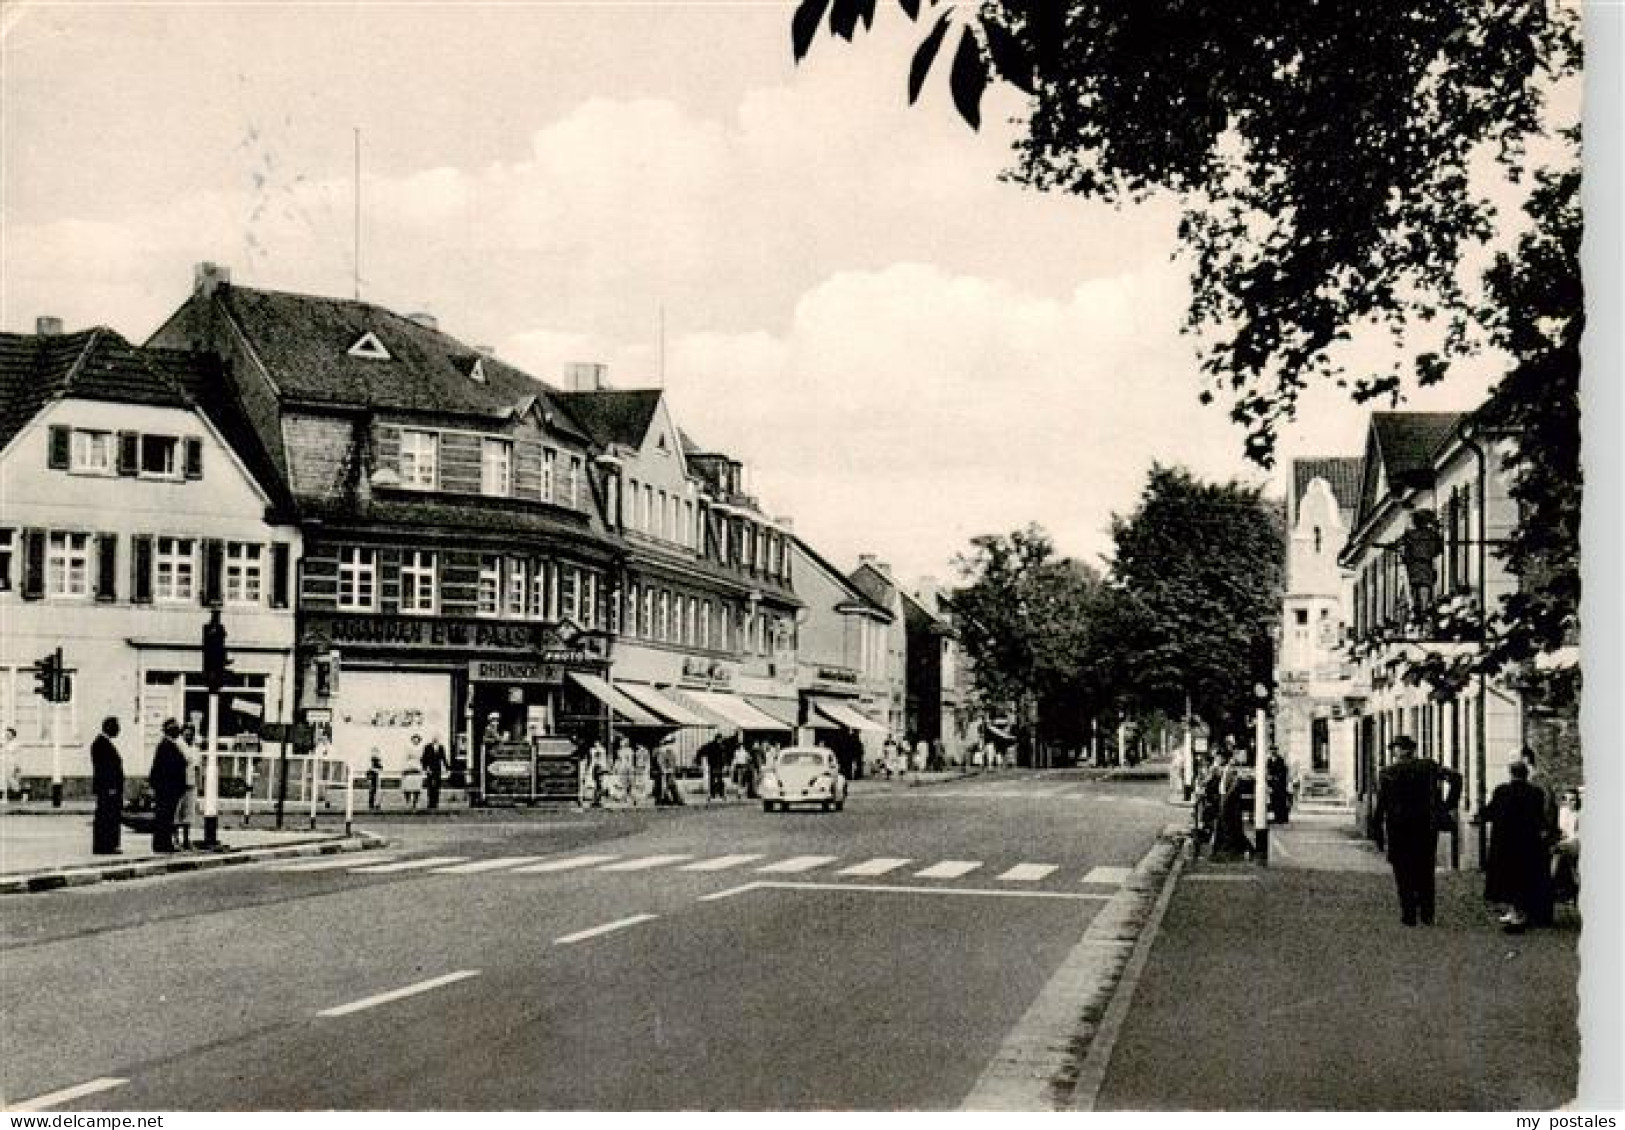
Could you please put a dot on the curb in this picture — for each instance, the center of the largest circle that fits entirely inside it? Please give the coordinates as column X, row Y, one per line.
column 63, row 877
column 1045, row 1061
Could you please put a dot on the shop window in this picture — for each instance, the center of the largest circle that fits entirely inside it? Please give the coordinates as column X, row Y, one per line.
column 8, row 555
column 420, row 460
column 418, row 589
column 245, row 573
column 175, row 569
column 67, row 565
column 358, row 579
column 488, row 596
column 496, row 467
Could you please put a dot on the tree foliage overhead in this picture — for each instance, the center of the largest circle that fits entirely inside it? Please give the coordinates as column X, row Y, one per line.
column 1321, row 149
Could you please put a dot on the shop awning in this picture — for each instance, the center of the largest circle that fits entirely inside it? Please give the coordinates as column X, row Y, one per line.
column 784, row 709
column 730, row 710
column 663, row 705
column 1002, row 734
column 631, row 714
column 844, row 717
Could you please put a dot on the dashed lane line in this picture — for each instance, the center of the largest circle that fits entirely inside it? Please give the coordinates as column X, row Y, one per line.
column 481, row 865
column 796, row 864
column 68, row 1094
column 873, row 867
column 721, row 863
column 606, row 928
column 949, row 869
column 568, row 863
column 1028, row 872
column 408, row 865
column 399, row 994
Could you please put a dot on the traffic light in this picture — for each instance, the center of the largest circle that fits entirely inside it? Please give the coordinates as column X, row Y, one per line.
column 327, row 674
column 216, row 664
column 1261, row 663
column 48, row 676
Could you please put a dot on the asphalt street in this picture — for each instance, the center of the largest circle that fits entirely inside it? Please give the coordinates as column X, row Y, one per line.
column 700, row 958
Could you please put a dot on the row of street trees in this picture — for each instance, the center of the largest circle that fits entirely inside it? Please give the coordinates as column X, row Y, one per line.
column 1172, row 626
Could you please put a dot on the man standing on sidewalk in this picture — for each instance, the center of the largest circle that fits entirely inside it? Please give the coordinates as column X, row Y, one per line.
column 107, row 780
column 1406, row 822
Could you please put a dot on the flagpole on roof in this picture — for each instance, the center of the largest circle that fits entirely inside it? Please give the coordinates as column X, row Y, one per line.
column 357, row 225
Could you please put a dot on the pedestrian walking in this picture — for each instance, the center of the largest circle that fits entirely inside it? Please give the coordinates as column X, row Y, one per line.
column 1410, row 809
column 718, row 754
column 1230, row 828
column 186, row 807
column 1517, row 871
column 433, row 762
column 597, row 772
column 375, row 778
column 1279, row 780
column 107, row 780
column 411, row 785
column 168, row 780
column 11, row 770
column 1566, row 853
column 666, row 759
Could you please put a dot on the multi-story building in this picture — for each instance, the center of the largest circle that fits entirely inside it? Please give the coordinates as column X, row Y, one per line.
column 841, row 660
column 1433, row 504
column 706, row 630
column 458, row 572
column 137, row 502
column 1314, row 721
column 889, row 683
column 937, row 707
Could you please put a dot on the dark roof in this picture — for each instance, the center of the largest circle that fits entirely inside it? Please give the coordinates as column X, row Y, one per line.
column 304, row 343
column 1342, row 474
column 689, row 446
column 615, row 415
column 98, row 364
column 920, row 617
column 1407, row 441
column 874, row 583
column 840, row 578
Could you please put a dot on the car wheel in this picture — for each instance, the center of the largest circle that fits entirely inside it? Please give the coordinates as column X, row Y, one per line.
column 825, row 806
column 767, row 806
column 839, row 805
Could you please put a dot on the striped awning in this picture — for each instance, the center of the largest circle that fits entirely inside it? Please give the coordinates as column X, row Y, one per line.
column 664, row 705
column 844, row 717
column 786, row 710
column 630, row 712
column 730, row 711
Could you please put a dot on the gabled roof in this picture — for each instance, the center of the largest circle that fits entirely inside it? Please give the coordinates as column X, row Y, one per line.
column 874, row 584
column 841, row 580
column 612, row 415
column 305, row 344
column 1399, row 452
column 1342, row 474
column 98, row 364
column 915, row 611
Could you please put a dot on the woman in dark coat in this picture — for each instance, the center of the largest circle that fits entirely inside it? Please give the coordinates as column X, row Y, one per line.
column 1518, row 872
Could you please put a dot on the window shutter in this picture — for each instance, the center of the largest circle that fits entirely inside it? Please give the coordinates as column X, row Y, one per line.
column 214, row 553
column 194, row 457
column 106, row 564
column 57, row 456
column 279, row 575
column 141, row 569
column 33, row 564
column 129, row 453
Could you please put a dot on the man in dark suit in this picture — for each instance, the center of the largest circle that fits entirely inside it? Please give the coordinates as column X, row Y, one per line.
column 433, row 761
column 168, row 781
column 107, row 780
column 1406, row 822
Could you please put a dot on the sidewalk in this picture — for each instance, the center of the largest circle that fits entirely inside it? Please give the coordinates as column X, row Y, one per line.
column 1295, row 987
column 49, row 851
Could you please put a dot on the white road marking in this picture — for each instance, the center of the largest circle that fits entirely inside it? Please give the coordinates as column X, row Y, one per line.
column 480, row 865
column 647, row 863
column 328, row 863
column 730, row 892
column 569, row 863
column 570, row 939
column 68, row 1094
column 1027, row 872
column 889, row 888
column 398, row 994
column 1219, row 877
column 720, row 863
column 874, row 867
column 796, row 864
column 1113, row 875
column 949, row 869
column 408, row 865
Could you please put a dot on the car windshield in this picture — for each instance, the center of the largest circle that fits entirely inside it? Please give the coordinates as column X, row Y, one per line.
column 803, row 759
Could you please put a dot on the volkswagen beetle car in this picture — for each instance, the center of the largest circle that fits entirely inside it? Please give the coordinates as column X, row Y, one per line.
column 803, row 775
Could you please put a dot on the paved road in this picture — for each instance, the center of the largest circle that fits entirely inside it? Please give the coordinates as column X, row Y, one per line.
column 699, row 958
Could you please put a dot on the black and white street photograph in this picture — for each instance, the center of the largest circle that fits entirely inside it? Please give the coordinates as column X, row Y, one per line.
column 811, row 556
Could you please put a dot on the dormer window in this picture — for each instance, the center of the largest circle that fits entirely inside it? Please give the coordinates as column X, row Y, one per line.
column 476, row 371
column 369, row 348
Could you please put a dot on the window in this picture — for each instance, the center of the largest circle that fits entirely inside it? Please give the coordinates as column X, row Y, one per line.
column 496, row 467
column 420, row 460
column 92, row 452
column 160, row 457
column 705, row 624
column 688, row 524
column 514, row 606
column 549, row 463
column 676, row 519
column 647, row 630
column 576, row 485
column 8, row 555
column 538, row 590
column 175, row 569
column 662, row 620
column 245, row 572
column 1300, row 615
column 488, row 596
column 692, row 631
column 631, row 623
column 358, row 579
column 1317, row 539
column 571, row 609
column 589, row 612
column 418, row 581
column 67, row 565
column 660, row 514
column 648, row 509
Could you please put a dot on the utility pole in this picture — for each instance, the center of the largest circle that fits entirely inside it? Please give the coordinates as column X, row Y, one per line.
column 215, row 666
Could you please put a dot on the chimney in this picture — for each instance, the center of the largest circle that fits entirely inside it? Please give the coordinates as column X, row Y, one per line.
column 874, row 563
column 426, row 320
column 585, row 376
column 47, row 325
column 209, row 277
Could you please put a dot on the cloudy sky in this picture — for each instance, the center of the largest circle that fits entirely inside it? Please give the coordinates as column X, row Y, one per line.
column 906, row 351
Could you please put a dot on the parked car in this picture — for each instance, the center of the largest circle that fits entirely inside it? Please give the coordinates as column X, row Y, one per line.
column 803, row 775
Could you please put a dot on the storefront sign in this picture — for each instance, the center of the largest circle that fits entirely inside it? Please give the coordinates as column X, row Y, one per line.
column 549, row 642
column 514, row 671
column 713, row 671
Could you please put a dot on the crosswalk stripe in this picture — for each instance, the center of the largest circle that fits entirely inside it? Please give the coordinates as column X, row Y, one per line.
column 797, row 864
column 328, row 863
column 1116, row 875
column 480, row 865
column 720, row 863
column 647, row 863
column 569, row 863
column 949, row 869
column 1027, row 872
column 877, row 866
column 408, row 865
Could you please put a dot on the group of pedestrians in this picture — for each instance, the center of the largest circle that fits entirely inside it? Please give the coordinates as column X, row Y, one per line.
column 172, row 779
column 429, row 773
